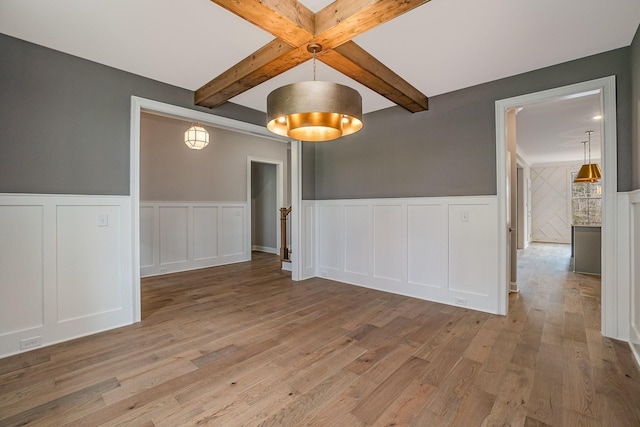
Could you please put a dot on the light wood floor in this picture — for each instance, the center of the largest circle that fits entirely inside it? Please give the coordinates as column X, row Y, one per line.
column 243, row 345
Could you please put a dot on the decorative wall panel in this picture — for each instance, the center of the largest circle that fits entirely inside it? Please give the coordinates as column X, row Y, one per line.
column 21, row 268
column 420, row 247
column 551, row 203
column 65, row 268
column 89, row 279
column 426, row 249
column 387, row 242
column 179, row 236
column 356, row 239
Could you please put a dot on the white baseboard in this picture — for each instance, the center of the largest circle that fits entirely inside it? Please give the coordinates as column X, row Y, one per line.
column 265, row 249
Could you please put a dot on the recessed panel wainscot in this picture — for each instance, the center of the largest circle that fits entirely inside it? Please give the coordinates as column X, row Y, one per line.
column 179, row 236
column 442, row 249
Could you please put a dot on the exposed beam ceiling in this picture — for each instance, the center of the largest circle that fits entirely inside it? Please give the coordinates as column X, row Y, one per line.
column 295, row 27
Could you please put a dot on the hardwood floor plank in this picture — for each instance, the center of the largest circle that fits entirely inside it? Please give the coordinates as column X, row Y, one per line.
column 578, row 387
column 545, row 403
column 64, row 408
column 243, row 345
column 376, row 402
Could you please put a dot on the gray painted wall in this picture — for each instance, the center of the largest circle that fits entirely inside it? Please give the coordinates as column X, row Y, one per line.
column 64, row 121
column 64, row 129
column 169, row 171
column 264, row 209
column 635, row 109
column 449, row 150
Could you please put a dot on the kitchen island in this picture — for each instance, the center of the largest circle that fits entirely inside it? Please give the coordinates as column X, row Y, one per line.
column 586, row 244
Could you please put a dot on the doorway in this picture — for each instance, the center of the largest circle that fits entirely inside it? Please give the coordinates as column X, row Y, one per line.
column 605, row 87
column 139, row 105
column 264, row 193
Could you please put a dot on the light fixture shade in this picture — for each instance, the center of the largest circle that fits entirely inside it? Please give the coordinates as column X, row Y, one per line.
column 196, row 137
column 314, row 111
column 589, row 173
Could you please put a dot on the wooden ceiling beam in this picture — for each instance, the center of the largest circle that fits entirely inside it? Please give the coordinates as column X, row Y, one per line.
column 356, row 63
column 343, row 20
column 269, row 61
column 295, row 26
column 288, row 20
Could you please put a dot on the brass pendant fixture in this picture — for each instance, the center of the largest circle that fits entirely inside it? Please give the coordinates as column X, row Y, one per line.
column 314, row 110
column 589, row 172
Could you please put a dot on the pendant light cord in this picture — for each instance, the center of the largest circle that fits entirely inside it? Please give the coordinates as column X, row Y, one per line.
column 314, row 64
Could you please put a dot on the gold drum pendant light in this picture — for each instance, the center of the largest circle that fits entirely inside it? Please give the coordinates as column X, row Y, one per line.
column 589, row 172
column 314, row 110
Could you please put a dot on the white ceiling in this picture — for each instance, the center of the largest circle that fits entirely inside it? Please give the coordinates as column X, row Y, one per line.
column 553, row 131
column 442, row 46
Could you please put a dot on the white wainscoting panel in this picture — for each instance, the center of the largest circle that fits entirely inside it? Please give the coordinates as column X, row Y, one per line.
column 634, row 209
column 233, row 231
column 93, row 285
column 356, row 239
column 148, row 237
column 387, row 241
column 205, row 232
column 174, row 229
column 469, row 248
column 180, row 236
column 330, row 244
column 308, row 239
column 442, row 249
column 21, row 268
column 427, row 245
column 65, row 267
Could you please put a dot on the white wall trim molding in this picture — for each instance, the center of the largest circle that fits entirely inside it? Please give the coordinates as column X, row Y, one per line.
column 632, row 242
column 441, row 249
column 138, row 105
column 265, row 249
column 307, row 246
column 65, row 263
column 606, row 87
column 297, row 238
column 182, row 236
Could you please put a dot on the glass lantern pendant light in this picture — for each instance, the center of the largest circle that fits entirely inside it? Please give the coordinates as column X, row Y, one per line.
column 589, row 172
column 196, row 137
column 314, row 110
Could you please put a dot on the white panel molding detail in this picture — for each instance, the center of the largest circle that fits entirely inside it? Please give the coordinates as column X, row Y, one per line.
column 182, row 236
column 633, row 251
column 405, row 245
column 74, row 267
column 307, row 248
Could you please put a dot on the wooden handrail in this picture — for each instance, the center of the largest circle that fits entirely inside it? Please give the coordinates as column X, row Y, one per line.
column 284, row 251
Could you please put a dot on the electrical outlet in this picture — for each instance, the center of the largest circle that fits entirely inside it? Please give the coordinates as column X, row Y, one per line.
column 461, row 301
column 163, row 270
column 103, row 219
column 30, row 343
column 323, row 274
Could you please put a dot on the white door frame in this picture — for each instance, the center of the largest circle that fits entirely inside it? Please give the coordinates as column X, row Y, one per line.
column 606, row 86
column 279, row 193
column 139, row 105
